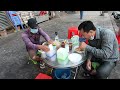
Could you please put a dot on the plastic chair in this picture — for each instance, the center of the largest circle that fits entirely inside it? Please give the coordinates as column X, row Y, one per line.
column 71, row 31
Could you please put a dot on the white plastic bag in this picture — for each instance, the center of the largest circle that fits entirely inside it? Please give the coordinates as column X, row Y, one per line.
column 51, row 55
column 75, row 40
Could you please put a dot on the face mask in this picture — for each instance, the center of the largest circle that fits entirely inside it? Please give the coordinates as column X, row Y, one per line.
column 34, row 30
column 92, row 37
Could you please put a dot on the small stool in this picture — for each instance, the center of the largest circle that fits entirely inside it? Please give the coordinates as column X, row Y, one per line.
column 75, row 31
column 72, row 30
column 43, row 76
column 118, row 39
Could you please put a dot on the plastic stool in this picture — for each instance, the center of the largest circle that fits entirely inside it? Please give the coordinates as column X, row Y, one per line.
column 43, row 76
column 118, row 39
column 72, row 30
column 75, row 31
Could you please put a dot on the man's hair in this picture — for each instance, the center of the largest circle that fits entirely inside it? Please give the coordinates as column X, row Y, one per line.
column 87, row 26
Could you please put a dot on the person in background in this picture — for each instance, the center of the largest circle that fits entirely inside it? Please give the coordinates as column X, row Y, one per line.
column 81, row 15
column 101, row 13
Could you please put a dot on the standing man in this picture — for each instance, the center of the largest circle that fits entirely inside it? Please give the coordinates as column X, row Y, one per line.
column 81, row 14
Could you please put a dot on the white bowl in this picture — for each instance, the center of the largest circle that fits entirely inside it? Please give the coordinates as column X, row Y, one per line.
column 75, row 58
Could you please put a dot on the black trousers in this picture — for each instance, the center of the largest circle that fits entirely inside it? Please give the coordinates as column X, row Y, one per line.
column 103, row 71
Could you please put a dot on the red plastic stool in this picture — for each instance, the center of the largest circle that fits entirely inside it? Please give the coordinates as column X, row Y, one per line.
column 118, row 39
column 43, row 76
column 75, row 31
column 72, row 30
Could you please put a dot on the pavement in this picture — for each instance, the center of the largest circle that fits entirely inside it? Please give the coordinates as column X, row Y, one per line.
column 13, row 55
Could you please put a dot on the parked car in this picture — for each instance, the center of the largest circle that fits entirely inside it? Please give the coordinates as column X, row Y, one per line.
column 116, row 14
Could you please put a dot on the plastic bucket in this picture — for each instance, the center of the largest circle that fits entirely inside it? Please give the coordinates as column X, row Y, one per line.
column 62, row 73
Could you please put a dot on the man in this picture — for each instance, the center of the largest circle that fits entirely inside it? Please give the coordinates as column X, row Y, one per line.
column 81, row 15
column 101, row 13
column 102, row 49
column 31, row 37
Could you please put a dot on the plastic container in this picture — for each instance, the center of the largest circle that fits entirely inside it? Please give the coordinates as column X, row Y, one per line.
column 63, row 62
column 43, row 54
column 62, row 56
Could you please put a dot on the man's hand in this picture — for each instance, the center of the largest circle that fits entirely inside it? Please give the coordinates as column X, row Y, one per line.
column 88, row 66
column 44, row 48
column 82, row 45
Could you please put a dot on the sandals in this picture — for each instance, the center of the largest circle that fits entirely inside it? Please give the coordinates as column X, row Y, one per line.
column 34, row 62
column 86, row 75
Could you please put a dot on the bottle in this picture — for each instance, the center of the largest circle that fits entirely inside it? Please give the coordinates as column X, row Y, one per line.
column 38, row 53
column 73, row 34
column 56, row 36
column 70, row 46
column 54, row 47
column 63, row 44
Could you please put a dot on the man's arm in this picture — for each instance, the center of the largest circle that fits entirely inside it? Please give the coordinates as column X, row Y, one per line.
column 106, row 49
column 88, row 55
column 28, row 42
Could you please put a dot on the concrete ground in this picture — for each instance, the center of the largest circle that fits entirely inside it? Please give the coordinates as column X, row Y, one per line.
column 13, row 55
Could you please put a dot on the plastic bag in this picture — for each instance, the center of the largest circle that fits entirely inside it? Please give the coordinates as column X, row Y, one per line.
column 75, row 40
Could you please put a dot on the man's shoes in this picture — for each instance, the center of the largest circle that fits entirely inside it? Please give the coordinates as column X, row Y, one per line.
column 101, row 14
column 88, row 76
column 42, row 65
column 33, row 61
